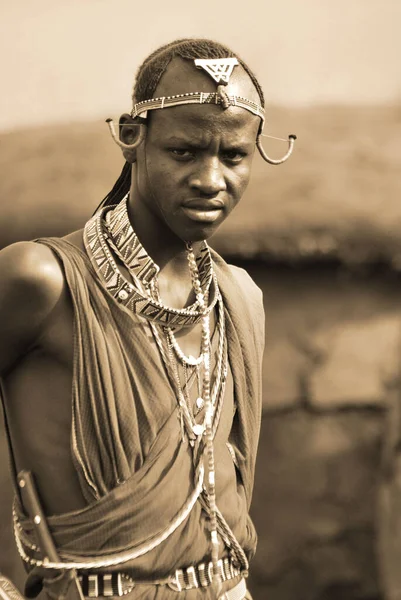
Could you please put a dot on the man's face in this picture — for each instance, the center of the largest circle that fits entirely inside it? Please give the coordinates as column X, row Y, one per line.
column 194, row 166
column 195, row 162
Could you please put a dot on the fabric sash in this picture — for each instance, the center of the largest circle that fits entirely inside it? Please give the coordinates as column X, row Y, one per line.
column 130, row 502
column 131, row 516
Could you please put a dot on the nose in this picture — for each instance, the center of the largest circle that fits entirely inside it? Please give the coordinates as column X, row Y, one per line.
column 209, row 178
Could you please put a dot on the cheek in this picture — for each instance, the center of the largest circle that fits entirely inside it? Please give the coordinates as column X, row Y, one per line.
column 239, row 181
column 162, row 174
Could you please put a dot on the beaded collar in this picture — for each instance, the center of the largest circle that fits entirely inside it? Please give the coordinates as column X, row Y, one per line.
column 110, row 227
column 128, row 247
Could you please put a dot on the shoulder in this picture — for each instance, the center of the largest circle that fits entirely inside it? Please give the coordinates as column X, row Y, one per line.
column 246, row 283
column 32, row 283
column 243, row 300
column 240, row 278
column 251, row 299
column 242, row 296
column 31, row 267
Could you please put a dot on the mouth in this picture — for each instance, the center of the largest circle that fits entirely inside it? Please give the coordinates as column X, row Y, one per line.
column 204, row 211
column 203, row 215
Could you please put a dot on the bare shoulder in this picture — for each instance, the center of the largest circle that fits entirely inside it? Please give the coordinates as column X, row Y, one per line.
column 30, row 266
column 32, row 282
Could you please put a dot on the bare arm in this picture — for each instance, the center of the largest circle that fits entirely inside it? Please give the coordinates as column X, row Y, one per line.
column 31, row 282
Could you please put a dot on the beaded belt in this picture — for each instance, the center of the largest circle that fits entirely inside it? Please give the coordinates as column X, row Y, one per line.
column 95, row 585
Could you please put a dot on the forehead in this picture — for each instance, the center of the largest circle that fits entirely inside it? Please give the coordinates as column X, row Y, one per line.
column 198, row 123
column 206, row 120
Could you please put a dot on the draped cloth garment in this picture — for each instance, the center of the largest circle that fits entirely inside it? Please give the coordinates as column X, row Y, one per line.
column 134, row 469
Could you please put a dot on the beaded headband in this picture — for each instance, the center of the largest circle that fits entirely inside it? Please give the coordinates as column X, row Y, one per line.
column 197, row 98
column 220, row 70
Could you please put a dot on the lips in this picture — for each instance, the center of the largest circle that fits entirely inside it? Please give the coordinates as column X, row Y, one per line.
column 201, row 210
column 204, row 204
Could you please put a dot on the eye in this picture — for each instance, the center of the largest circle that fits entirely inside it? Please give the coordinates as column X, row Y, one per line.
column 233, row 156
column 181, row 153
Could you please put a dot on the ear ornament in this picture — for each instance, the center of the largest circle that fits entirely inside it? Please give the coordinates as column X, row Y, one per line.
column 123, row 146
column 272, row 161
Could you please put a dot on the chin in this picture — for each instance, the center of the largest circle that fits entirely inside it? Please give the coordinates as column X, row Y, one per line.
column 199, row 234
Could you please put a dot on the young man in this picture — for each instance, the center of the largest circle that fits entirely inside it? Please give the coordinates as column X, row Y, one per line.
column 131, row 355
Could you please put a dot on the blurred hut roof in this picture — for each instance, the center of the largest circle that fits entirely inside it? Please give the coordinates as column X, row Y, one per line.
column 338, row 197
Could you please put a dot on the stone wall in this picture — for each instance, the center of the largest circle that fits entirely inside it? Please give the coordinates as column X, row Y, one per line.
column 331, row 360
column 315, row 504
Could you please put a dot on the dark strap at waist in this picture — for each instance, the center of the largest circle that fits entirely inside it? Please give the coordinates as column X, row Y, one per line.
column 95, row 585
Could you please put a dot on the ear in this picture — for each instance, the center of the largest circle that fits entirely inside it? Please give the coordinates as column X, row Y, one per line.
column 132, row 135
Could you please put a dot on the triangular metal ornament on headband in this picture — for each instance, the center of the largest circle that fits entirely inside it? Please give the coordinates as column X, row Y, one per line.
column 218, row 68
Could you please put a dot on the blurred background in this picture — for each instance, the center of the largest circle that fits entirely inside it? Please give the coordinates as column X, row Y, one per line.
column 320, row 235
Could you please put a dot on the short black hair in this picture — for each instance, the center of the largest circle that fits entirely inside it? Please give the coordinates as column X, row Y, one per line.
column 154, row 66
column 148, row 76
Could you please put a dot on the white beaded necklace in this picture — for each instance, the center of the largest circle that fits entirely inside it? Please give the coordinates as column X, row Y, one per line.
column 143, row 293
column 132, row 295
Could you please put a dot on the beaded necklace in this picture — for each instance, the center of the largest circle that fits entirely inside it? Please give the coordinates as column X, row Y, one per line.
column 124, row 242
column 208, row 420
column 111, row 229
column 98, row 239
column 187, row 413
column 129, row 249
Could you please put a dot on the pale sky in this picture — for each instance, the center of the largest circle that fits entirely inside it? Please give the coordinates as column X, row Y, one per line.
column 64, row 60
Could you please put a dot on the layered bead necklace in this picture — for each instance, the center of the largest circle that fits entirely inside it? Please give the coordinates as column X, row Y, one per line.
column 110, row 231
column 105, row 231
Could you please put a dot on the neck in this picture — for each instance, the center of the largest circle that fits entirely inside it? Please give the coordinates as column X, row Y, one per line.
column 166, row 249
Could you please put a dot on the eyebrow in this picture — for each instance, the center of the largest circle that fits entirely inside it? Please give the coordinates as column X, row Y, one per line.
column 175, row 139
column 190, row 143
